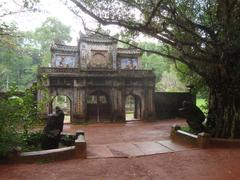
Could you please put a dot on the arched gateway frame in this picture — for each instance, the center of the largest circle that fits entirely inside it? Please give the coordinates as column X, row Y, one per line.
column 97, row 75
column 65, row 103
column 133, row 107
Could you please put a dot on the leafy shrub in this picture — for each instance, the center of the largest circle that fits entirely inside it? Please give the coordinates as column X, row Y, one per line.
column 68, row 140
column 188, row 129
column 17, row 114
column 9, row 142
column 31, row 141
column 9, row 124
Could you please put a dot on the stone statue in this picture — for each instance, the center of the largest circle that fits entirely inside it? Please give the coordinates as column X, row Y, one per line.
column 53, row 129
column 193, row 115
column 210, row 122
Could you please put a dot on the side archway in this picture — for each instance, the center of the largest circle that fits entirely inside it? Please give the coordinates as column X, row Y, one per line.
column 133, row 107
column 65, row 103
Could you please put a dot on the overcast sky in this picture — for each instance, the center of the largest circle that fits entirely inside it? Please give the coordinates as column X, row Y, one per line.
column 50, row 8
column 53, row 8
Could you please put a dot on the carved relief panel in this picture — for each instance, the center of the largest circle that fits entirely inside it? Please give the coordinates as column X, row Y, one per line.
column 99, row 59
column 65, row 61
column 113, row 50
column 128, row 63
column 84, row 55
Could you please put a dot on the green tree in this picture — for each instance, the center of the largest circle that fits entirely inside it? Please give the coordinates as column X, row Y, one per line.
column 15, row 63
column 51, row 30
column 20, row 6
column 153, row 61
column 166, row 77
column 204, row 35
column 22, row 52
column 189, row 77
column 16, row 114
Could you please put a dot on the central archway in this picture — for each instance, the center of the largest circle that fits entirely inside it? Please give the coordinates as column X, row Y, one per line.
column 132, row 108
column 98, row 106
column 64, row 102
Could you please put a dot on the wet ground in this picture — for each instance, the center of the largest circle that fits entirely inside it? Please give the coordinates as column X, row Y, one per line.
column 132, row 131
column 187, row 163
column 131, row 139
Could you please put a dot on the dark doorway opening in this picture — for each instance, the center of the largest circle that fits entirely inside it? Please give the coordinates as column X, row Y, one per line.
column 98, row 107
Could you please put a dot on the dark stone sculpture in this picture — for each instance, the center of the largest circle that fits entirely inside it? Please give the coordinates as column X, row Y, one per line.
column 193, row 115
column 211, row 120
column 53, row 129
column 210, row 123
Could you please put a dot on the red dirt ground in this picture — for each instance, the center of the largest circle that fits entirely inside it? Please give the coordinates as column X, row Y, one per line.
column 200, row 164
column 133, row 131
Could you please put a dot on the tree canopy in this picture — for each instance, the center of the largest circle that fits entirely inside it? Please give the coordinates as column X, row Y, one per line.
column 52, row 30
column 6, row 9
column 21, row 52
column 202, row 34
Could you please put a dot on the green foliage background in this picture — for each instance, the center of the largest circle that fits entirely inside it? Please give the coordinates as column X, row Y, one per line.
column 22, row 52
column 18, row 112
column 20, row 55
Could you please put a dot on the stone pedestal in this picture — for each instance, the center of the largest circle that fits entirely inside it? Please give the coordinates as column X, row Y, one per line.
column 203, row 140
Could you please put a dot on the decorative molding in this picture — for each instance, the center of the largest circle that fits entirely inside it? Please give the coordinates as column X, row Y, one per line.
column 128, row 51
column 65, row 48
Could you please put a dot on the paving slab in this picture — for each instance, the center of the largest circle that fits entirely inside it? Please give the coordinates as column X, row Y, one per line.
column 124, row 150
column 98, row 151
column 135, row 149
column 149, row 148
column 176, row 146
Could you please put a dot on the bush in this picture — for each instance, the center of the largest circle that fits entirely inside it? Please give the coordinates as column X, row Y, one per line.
column 8, row 126
column 9, row 142
column 31, row 141
column 188, row 129
column 68, row 140
column 17, row 114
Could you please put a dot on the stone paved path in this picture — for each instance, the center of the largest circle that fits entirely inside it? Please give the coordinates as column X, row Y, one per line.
column 135, row 149
column 131, row 139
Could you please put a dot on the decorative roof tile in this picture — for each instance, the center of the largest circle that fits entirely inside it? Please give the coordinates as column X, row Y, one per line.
column 62, row 47
column 129, row 51
column 96, row 38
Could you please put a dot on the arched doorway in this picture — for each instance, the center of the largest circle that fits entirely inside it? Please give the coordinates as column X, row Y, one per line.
column 64, row 103
column 132, row 108
column 98, row 106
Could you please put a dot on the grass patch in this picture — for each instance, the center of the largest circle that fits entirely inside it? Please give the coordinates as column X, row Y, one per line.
column 187, row 129
column 202, row 104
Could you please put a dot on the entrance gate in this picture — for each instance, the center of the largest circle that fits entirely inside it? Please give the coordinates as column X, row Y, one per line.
column 98, row 106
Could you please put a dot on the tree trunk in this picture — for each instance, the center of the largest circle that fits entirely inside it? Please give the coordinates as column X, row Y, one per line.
column 224, row 105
